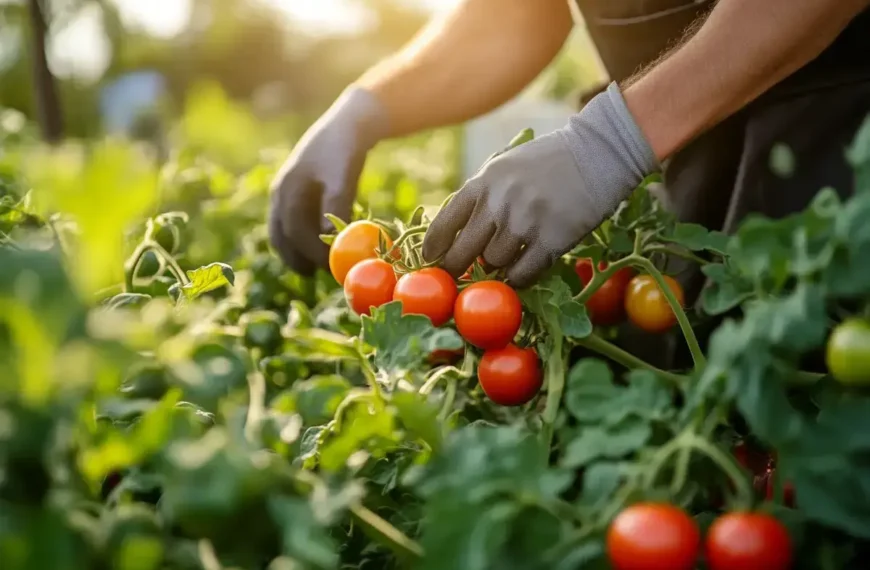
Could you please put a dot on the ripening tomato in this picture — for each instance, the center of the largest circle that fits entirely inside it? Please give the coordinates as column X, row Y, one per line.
column 748, row 541
column 510, row 376
column 356, row 242
column 653, row 536
column 647, row 306
column 488, row 314
column 787, row 490
column 430, row 291
column 369, row 283
column 848, row 352
column 607, row 305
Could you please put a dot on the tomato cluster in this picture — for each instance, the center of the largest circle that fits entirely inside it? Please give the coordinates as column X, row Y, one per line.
column 488, row 314
column 623, row 294
column 655, row 536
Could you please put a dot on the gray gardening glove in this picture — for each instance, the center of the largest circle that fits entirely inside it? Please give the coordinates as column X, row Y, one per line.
column 320, row 176
column 529, row 206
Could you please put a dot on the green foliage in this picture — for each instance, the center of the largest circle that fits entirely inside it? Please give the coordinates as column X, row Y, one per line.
column 192, row 413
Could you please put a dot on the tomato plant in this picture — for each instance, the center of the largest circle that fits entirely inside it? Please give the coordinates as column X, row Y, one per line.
column 754, row 541
column 653, row 536
column 160, row 386
column 488, row 314
column 430, row 291
column 606, row 305
column 647, row 306
column 356, row 242
column 369, row 283
column 510, row 376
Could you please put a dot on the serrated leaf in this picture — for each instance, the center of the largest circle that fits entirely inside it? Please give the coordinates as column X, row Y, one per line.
column 726, row 290
column 592, row 396
column 611, row 442
column 208, row 278
column 552, row 302
column 402, row 342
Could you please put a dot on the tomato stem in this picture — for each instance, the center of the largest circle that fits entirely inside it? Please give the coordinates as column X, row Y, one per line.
column 597, row 344
column 601, row 276
column 449, row 398
column 554, row 373
column 728, row 465
column 436, row 377
column 386, row 533
column 682, row 319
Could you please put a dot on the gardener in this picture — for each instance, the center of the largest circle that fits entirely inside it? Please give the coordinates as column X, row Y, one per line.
column 702, row 90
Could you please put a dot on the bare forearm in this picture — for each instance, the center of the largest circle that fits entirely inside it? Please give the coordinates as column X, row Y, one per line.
column 468, row 62
column 743, row 49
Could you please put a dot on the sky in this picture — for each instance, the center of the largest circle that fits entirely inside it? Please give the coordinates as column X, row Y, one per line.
column 81, row 50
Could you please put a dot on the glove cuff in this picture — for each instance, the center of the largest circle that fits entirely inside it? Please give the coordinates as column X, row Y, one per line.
column 363, row 109
column 611, row 152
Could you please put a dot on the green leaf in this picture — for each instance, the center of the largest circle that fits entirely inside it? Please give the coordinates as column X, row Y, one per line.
column 303, row 536
column 600, row 480
column 726, row 291
column 208, row 278
column 696, row 237
column 419, row 417
column 611, row 442
column 361, row 430
column 317, row 398
column 592, row 396
column 127, row 300
column 403, row 342
column 552, row 302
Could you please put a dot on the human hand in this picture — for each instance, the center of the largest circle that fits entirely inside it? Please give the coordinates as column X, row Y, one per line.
column 320, row 176
column 529, row 206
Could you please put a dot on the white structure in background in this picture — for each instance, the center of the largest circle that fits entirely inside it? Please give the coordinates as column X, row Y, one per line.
column 489, row 133
column 125, row 98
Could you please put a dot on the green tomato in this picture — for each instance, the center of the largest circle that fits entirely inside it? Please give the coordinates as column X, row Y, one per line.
column 848, row 352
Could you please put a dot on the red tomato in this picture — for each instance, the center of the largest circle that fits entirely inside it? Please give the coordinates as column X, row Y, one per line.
column 653, row 536
column 356, row 242
column 787, row 490
column 647, row 306
column 607, row 305
column 368, row 284
column 430, row 291
column 445, row 356
column 748, row 541
column 510, row 376
column 488, row 314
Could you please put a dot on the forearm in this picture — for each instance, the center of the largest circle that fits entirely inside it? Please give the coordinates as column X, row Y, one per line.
column 743, row 49
column 468, row 62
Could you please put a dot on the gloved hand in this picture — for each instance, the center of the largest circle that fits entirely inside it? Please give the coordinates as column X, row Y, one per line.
column 320, row 176
column 529, row 206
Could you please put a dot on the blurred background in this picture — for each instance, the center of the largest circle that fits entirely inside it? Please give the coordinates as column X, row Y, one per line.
column 223, row 88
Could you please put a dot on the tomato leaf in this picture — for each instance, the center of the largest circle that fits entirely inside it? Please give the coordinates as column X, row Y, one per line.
column 419, row 417
column 696, row 237
column 592, row 396
column 208, row 278
column 402, row 342
column 611, row 442
column 552, row 302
